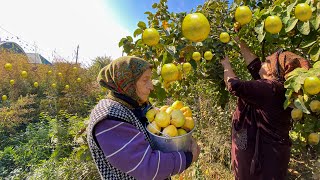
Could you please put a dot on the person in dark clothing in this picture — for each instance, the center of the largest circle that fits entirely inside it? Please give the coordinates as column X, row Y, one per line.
column 260, row 124
column 117, row 138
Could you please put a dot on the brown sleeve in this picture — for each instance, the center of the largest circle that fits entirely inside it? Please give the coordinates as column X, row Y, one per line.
column 254, row 68
column 255, row 92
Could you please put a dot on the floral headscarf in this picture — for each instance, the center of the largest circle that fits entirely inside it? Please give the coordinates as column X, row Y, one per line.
column 121, row 75
column 286, row 62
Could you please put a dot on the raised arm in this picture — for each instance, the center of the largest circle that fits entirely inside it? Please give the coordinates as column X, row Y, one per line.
column 253, row 92
column 245, row 51
column 228, row 71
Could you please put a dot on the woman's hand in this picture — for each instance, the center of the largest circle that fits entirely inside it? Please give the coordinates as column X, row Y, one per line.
column 195, row 149
column 228, row 72
column 225, row 62
column 245, row 50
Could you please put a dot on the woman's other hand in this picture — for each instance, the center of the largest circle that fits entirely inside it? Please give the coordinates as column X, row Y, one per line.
column 228, row 72
column 195, row 149
column 225, row 62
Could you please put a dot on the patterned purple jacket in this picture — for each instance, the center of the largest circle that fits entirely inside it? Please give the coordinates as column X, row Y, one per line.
column 127, row 149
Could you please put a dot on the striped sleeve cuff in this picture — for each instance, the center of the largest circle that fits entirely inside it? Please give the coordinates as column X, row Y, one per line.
column 189, row 157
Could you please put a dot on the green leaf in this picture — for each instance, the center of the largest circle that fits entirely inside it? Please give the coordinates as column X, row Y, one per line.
column 299, row 103
column 296, row 72
column 290, row 7
column 154, row 5
column 279, row 2
column 291, row 24
column 263, row 12
column 315, row 22
column 288, row 93
column 121, row 42
column 261, row 37
column 294, row 135
column 316, row 65
column 300, row 79
column 288, row 82
column 288, row 97
column 285, row 19
column 296, row 86
column 139, row 43
column 171, row 49
column 304, row 27
column 286, row 103
column 314, row 53
column 142, row 25
column 313, row 71
column 158, row 93
column 256, row 13
column 165, row 57
column 276, row 10
column 259, row 28
column 307, row 43
column 148, row 12
column 137, row 32
column 237, row 1
column 129, row 38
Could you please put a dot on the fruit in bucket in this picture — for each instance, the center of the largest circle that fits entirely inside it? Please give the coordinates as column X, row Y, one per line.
column 163, row 108
column 189, row 124
column 170, row 130
column 181, row 132
column 169, row 110
column 162, row 119
column 151, row 114
column 171, row 121
column 154, row 128
column 177, row 105
column 186, row 111
column 177, row 118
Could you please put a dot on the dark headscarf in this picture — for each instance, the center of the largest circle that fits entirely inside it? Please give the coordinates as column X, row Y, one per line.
column 121, row 75
column 283, row 62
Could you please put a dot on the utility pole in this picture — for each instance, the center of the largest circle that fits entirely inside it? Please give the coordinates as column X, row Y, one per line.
column 77, row 54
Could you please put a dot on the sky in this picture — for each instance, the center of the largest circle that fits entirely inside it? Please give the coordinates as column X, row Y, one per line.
column 54, row 28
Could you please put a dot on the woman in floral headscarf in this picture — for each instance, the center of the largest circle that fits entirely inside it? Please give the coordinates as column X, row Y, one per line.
column 260, row 124
column 118, row 141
